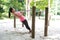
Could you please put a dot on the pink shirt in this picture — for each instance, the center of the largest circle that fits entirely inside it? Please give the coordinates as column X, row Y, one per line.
column 22, row 18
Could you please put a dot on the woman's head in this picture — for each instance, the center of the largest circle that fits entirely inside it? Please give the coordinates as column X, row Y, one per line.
column 11, row 10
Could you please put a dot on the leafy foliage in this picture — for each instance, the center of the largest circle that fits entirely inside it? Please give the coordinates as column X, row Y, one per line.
column 1, row 10
column 41, row 4
column 6, row 4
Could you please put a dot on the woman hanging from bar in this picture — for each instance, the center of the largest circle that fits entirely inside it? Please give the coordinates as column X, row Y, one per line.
column 20, row 16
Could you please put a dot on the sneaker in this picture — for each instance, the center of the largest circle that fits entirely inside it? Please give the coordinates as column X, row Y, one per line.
column 30, row 31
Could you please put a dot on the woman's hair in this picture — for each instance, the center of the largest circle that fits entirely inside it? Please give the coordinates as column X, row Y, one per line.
column 10, row 10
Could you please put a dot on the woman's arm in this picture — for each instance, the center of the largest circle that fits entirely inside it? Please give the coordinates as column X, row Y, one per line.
column 22, row 12
column 17, row 15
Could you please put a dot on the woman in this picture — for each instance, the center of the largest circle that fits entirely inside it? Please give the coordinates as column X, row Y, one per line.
column 20, row 16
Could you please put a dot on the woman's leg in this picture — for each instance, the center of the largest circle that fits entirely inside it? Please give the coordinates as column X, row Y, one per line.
column 26, row 24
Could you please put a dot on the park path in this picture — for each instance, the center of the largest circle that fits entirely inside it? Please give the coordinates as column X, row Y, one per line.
column 7, row 31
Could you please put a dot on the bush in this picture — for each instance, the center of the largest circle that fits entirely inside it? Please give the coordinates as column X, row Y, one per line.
column 58, row 13
column 1, row 11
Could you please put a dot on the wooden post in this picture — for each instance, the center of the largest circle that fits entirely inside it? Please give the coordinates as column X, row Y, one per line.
column 33, row 22
column 14, row 22
column 46, row 21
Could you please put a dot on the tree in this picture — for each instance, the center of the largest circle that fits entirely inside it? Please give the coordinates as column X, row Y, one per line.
column 41, row 4
column 17, row 4
column 5, row 5
column 1, row 8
